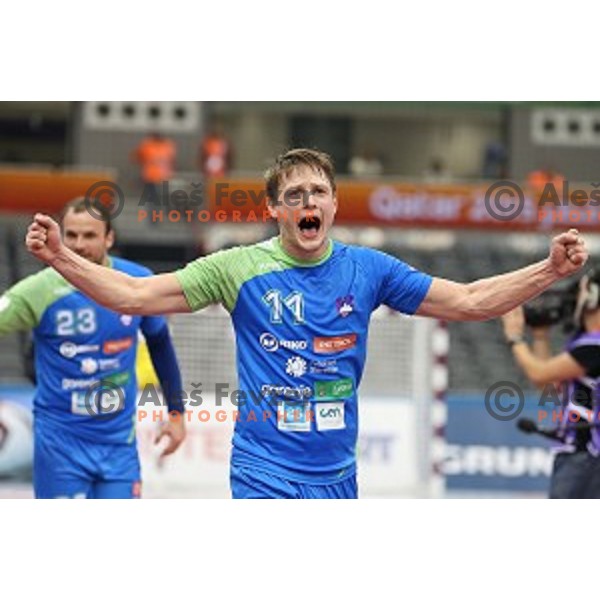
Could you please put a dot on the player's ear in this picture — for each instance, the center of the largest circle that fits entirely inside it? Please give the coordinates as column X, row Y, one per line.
column 110, row 239
column 335, row 204
column 272, row 208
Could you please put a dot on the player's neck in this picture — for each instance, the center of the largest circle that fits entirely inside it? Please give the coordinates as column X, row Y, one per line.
column 303, row 255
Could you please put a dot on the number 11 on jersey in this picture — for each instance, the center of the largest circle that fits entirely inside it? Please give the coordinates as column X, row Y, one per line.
column 294, row 303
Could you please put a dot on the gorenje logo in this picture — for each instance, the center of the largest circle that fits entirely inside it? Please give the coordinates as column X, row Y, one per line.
column 282, row 391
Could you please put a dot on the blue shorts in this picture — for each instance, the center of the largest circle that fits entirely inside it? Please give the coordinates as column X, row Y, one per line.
column 249, row 483
column 66, row 466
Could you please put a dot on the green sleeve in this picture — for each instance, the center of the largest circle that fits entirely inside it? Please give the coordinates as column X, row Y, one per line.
column 23, row 305
column 211, row 279
column 16, row 312
column 218, row 278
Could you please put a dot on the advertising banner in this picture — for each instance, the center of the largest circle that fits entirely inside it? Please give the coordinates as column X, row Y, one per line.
column 483, row 453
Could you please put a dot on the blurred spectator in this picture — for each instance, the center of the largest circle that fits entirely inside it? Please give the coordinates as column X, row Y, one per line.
column 494, row 161
column 366, row 164
column 215, row 156
column 537, row 180
column 437, row 172
column 156, row 157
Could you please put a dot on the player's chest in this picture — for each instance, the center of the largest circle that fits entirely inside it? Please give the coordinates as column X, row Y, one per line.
column 336, row 301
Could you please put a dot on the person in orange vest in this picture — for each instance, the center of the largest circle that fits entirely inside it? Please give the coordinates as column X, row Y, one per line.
column 538, row 180
column 215, row 154
column 156, row 157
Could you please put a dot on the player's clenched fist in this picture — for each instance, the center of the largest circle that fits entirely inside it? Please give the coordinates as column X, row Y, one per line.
column 43, row 238
column 568, row 253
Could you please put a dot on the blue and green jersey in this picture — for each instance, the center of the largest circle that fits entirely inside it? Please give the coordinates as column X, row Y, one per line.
column 84, row 354
column 301, row 333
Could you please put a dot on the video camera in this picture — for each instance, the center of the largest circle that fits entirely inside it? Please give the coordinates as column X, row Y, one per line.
column 552, row 307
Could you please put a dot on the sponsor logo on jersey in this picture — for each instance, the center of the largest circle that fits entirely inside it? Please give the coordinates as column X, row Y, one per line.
column 330, row 415
column 294, row 416
column 89, row 366
column 116, row 346
column 100, row 400
column 271, row 344
column 296, row 366
column 71, row 350
column 283, row 391
column 345, row 305
column 331, row 345
column 334, row 390
column 81, row 404
column 118, row 379
column 109, row 364
column 4, row 302
column 78, row 384
column 294, row 344
column 328, row 365
column 126, row 320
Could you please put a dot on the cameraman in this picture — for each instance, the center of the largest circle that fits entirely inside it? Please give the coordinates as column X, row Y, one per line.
column 576, row 470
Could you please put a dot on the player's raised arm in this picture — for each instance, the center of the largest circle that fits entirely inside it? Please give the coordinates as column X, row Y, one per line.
column 159, row 294
column 495, row 296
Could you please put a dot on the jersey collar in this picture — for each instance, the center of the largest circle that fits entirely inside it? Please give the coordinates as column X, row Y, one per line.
column 291, row 260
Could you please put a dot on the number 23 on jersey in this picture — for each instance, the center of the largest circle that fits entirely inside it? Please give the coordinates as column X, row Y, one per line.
column 73, row 322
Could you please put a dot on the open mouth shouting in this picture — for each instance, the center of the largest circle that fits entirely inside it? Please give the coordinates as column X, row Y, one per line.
column 309, row 226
